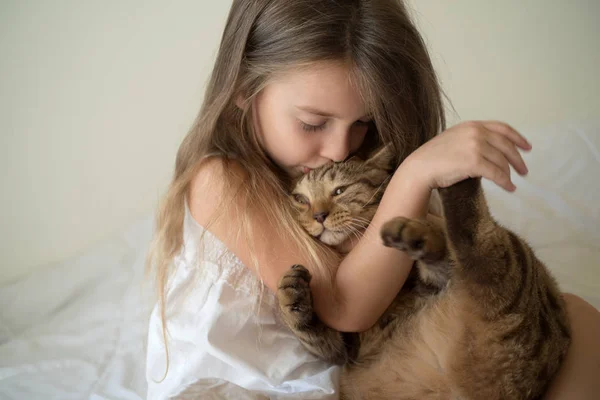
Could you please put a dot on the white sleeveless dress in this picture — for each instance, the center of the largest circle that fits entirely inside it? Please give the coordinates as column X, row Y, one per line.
column 225, row 339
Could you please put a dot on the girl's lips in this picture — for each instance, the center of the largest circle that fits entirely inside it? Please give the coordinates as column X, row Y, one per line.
column 306, row 170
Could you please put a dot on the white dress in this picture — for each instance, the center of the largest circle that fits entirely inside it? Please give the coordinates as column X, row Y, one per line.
column 225, row 338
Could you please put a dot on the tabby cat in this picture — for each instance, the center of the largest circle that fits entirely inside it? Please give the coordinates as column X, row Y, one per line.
column 480, row 317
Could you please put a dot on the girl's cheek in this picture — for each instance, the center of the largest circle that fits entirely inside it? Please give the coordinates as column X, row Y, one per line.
column 306, row 148
column 302, row 146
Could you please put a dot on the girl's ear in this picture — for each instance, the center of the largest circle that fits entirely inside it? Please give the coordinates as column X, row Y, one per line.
column 383, row 158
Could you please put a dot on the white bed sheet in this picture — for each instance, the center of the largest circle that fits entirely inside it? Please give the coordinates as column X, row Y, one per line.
column 77, row 330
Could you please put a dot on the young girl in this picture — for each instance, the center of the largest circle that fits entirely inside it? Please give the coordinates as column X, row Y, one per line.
column 298, row 84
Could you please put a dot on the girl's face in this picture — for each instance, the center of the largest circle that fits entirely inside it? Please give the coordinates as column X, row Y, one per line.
column 308, row 117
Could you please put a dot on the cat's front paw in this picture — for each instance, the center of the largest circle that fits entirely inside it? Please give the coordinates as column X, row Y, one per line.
column 420, row 239
column 294, row 296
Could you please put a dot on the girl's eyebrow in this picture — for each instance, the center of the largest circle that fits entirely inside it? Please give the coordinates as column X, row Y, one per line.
column 322, row 113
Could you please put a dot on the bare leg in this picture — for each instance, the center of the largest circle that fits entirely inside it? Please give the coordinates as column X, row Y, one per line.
column 579, row 376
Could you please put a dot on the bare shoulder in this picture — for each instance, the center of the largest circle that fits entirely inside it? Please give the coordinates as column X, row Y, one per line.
column 208, row 187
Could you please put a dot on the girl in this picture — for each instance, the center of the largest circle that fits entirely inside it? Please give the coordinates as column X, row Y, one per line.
column 298, row 84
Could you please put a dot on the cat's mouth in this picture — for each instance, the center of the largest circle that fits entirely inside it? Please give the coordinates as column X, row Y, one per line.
column 330, row 237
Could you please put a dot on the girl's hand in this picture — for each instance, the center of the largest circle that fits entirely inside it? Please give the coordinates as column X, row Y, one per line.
column 468, row 150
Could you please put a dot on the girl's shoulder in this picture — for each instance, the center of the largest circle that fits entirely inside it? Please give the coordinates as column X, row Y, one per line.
column 214, row 178
column 203, row 200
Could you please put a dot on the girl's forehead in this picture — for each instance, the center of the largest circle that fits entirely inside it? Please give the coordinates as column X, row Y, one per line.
column 324, row 88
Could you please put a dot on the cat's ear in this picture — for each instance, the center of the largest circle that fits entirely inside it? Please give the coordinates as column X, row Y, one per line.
column 383, row 158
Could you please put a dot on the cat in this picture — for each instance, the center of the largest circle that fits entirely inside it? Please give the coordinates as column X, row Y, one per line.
column 480, row 316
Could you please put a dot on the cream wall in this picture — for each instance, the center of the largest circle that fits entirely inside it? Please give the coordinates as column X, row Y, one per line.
column 96, row 96
column 529, row 62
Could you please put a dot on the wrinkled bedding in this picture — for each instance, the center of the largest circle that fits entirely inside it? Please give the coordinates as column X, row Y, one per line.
column 77, row 329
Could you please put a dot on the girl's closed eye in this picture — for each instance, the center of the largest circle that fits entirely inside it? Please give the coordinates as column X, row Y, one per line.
column 312, row 128
column 319, row 127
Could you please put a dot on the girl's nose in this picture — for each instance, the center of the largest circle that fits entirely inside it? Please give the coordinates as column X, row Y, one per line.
column 337, row 146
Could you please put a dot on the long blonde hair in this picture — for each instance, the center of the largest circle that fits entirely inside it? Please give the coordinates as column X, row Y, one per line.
column 389, row 64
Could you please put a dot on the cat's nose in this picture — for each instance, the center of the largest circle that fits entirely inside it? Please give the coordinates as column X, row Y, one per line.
column 320, row 217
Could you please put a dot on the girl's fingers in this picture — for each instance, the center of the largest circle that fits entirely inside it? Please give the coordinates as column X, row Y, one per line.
column 509, row 132
column 495, row 156
column 494, row 173
column 509, row 150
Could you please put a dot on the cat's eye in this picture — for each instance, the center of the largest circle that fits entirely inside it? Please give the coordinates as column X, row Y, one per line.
column 338, row 190
column 300, row 198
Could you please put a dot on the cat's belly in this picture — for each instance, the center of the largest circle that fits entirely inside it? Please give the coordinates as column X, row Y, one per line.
column 414, row 363
column 444, row 351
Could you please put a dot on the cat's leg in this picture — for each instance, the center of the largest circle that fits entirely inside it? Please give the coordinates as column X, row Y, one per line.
column 511, row 291
column 424, row 241
column 295, row 303
column 502, row 269
column 492, row 261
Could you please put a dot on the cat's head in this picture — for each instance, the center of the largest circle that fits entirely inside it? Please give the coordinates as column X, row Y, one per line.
column 339, row 199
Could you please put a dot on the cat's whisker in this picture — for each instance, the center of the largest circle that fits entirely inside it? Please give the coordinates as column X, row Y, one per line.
column 356, row 228
column 362, row 224
column 362, row 219
column 359, row 218
column 351, row 228
column 351, row 231
column 359, row 234
column 359, row 225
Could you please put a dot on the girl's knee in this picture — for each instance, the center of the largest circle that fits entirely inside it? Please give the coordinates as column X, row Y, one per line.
column 585, row 326
column 579, row 309
column 577, row 377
